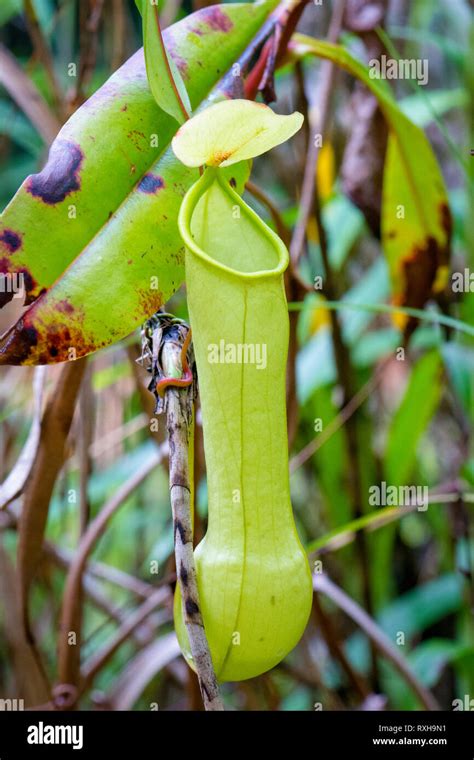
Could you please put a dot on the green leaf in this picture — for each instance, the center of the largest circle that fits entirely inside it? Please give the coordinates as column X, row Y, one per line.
column 412, row 613
column 345, row 534
column 408, row 425
column 315, row 362
column 423, row 108
column 459, row 362
column 19, row 129
column 416, row 220
column 453, row 52
column 331, row 460
column 232, row 131
column 165, row 80
column 9, row 8
column 419, row 403
column 103, row 210
column 428, row 661
column 421, row 607
column 344, row 224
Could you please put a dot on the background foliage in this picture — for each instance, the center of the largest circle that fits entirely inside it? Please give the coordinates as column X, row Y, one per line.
column 387, row 415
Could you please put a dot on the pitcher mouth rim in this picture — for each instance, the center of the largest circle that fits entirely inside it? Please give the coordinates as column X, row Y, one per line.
column 210, row 175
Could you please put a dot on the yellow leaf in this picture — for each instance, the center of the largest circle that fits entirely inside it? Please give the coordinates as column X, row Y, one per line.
column 441, row 280
column 312, row 230
column 231, row 131
column 319, row 318
column 325, row 171
column 399, row 319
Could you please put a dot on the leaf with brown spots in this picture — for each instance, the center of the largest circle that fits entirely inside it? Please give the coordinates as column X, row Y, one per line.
column 416, row 220
column 95, row 233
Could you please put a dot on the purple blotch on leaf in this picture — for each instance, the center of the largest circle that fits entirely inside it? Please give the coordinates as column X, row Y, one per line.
column 60, row 176
column 217, row 20
column 150, row 183
column 11, row 240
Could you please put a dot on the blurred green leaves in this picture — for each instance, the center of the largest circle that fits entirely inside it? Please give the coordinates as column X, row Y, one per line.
column 412, row 417
column 9, row 8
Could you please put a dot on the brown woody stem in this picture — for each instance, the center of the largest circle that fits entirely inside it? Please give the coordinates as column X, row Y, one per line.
column 179, row 423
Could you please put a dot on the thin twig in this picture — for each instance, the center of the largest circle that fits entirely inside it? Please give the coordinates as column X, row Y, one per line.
column 29, row 672
column 261, row 196
column 17, row 479
column 25, row 94
column 335, row 647
column 90, row 18
column 119, row 34
column 63, row 558
column 101, row 571
column 95, row 664
column 50, row 457
column 71, row 615
column 309, row 180
column 133, row 679
column 322, row 584
column 43, row 52
column 85, row 434
column 146, row 399
column 338, row 421
column 95, row 595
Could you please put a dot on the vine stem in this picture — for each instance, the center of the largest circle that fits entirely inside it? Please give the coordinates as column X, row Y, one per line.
column 179, row 427
column 323, row 585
